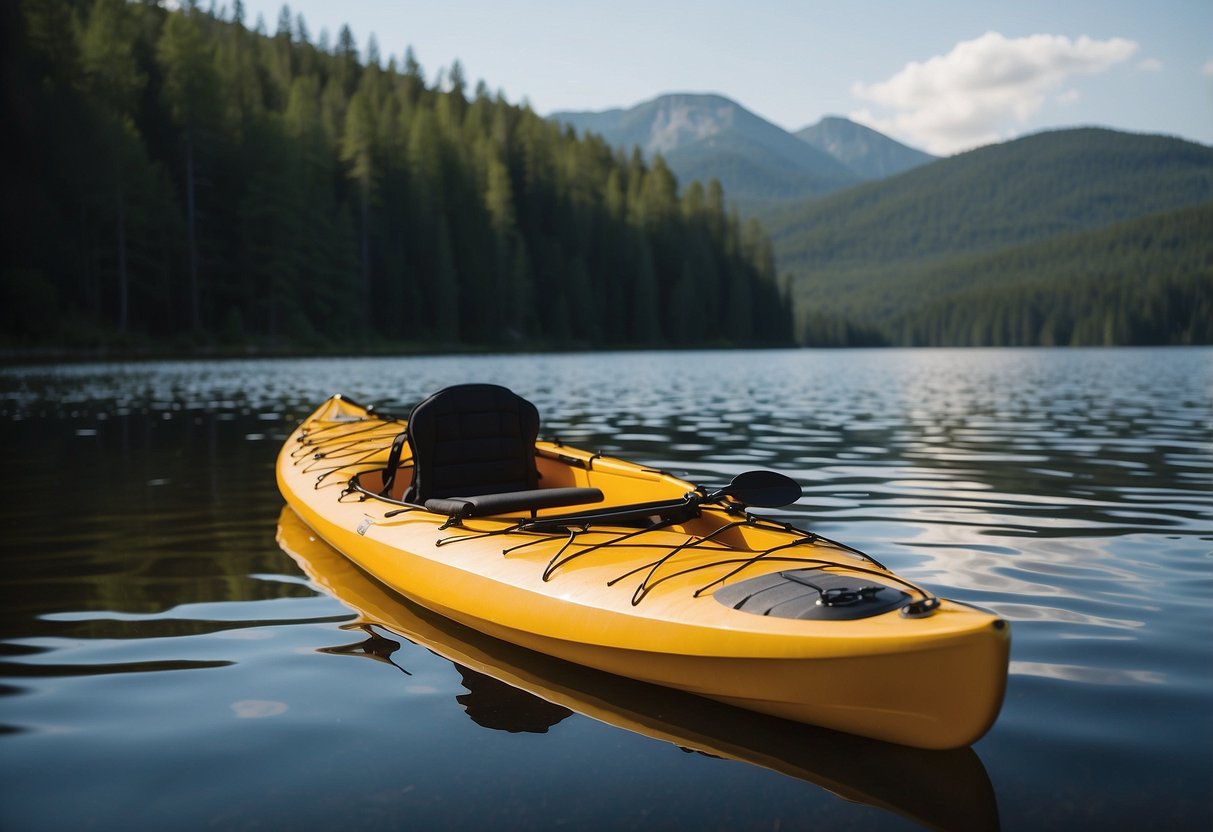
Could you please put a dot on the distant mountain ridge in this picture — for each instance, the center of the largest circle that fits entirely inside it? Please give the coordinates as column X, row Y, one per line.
column 1024, row 190
column 705, row 136
column 1036, row 212
column 868, row 153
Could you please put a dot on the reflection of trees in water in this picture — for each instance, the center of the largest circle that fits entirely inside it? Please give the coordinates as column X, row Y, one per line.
column 140, row 513
column 488, row 702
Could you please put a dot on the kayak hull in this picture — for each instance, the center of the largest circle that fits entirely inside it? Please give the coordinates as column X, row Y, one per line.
column 870, row 695
column 935, row 789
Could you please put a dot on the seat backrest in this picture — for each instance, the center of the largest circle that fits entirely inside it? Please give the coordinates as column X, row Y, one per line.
column 472, row 439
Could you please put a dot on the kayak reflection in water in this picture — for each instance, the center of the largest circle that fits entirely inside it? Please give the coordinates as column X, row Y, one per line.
column 489, row 703
column 494, row 704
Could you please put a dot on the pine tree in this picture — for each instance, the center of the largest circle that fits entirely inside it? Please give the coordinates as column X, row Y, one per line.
column 357, row 150
column 114, row 82
column 189, row 87
column 446, row 296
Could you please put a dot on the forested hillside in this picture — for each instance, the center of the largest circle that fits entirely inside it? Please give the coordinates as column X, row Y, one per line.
column 1147, row 281
column 1022, row 191
column 184, row 180
column 1075, row 236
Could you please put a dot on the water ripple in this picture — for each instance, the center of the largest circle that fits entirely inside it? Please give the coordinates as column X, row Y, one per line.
column 1088, row 675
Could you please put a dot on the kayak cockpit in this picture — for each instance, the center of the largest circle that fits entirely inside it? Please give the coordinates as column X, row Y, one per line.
column 471, row 450
column 470, row 453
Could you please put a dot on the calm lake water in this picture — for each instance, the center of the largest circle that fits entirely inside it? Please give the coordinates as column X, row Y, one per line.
column 166, row 664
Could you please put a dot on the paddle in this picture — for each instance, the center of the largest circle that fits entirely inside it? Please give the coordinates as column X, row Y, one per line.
column 762, row 489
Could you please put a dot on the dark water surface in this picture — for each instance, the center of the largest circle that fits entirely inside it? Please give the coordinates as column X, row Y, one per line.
column 166, row 664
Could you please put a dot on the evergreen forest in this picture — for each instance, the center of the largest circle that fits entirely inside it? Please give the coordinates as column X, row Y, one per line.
column 184, row 180
column 1082, row 237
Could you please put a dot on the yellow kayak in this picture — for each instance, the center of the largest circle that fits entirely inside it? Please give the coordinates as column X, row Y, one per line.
column 935, row 789
column 629, row 570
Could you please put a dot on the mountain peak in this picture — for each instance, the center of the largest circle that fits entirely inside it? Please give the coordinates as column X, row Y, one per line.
column 871, row 155
column 685, row 118
column 706, row 135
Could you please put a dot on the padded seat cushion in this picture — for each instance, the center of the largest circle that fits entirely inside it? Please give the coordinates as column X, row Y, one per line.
column 488, row 504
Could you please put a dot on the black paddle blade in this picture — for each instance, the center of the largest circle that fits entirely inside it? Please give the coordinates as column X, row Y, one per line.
column 763, row 489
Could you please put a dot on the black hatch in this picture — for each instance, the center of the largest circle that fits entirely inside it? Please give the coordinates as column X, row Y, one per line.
column 811, row 594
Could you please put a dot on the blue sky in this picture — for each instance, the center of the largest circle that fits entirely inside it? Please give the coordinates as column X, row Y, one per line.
column 942, row 75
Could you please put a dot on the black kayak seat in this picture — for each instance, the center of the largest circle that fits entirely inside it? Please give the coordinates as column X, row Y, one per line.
column 473, row 448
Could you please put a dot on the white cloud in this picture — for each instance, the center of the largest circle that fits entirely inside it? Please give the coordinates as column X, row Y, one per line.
column 973, row 94
column 1207, row 69
column 1068, row 97
column 1150, row 65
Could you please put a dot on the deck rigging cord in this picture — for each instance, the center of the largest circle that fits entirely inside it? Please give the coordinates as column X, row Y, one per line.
column 354, row 443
